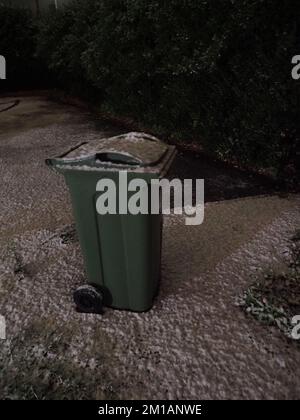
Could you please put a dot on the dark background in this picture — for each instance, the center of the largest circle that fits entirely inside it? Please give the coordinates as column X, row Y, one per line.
column 217, row 73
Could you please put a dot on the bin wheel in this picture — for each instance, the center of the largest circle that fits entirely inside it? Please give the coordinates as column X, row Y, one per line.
column 88, row 299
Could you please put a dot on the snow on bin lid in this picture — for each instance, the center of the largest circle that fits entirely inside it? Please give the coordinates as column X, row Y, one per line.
column 138, row 149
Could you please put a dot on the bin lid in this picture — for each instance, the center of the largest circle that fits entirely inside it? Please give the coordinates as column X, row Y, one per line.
column 132, row 151
column 128, row 149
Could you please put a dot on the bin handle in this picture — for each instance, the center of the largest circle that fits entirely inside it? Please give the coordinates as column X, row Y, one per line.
column 117, row 158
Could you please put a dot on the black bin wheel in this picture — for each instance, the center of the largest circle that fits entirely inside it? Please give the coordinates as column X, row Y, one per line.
column 88, row 299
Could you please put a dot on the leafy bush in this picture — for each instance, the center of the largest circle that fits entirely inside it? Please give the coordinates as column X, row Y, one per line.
column 217, row 71
column 16, row 43
column 274, row 299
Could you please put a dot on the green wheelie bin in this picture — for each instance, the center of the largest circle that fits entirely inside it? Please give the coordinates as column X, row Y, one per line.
column 122, row 252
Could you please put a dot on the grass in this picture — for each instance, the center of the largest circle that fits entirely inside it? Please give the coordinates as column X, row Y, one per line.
column 275, row 298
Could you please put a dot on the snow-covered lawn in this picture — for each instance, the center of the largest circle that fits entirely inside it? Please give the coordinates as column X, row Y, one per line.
column 194, row 343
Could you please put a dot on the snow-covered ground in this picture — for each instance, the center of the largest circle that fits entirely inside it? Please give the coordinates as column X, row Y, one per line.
column 194, row 343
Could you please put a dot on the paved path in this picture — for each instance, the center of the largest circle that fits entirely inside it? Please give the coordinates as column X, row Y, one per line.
column 194, row 343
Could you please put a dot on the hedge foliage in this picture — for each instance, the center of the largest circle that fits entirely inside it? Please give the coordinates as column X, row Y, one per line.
column 218, row 71
column 17, row 45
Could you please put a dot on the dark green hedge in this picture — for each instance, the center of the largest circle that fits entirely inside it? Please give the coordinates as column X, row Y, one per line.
column 218, row 71
column 18, row 44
